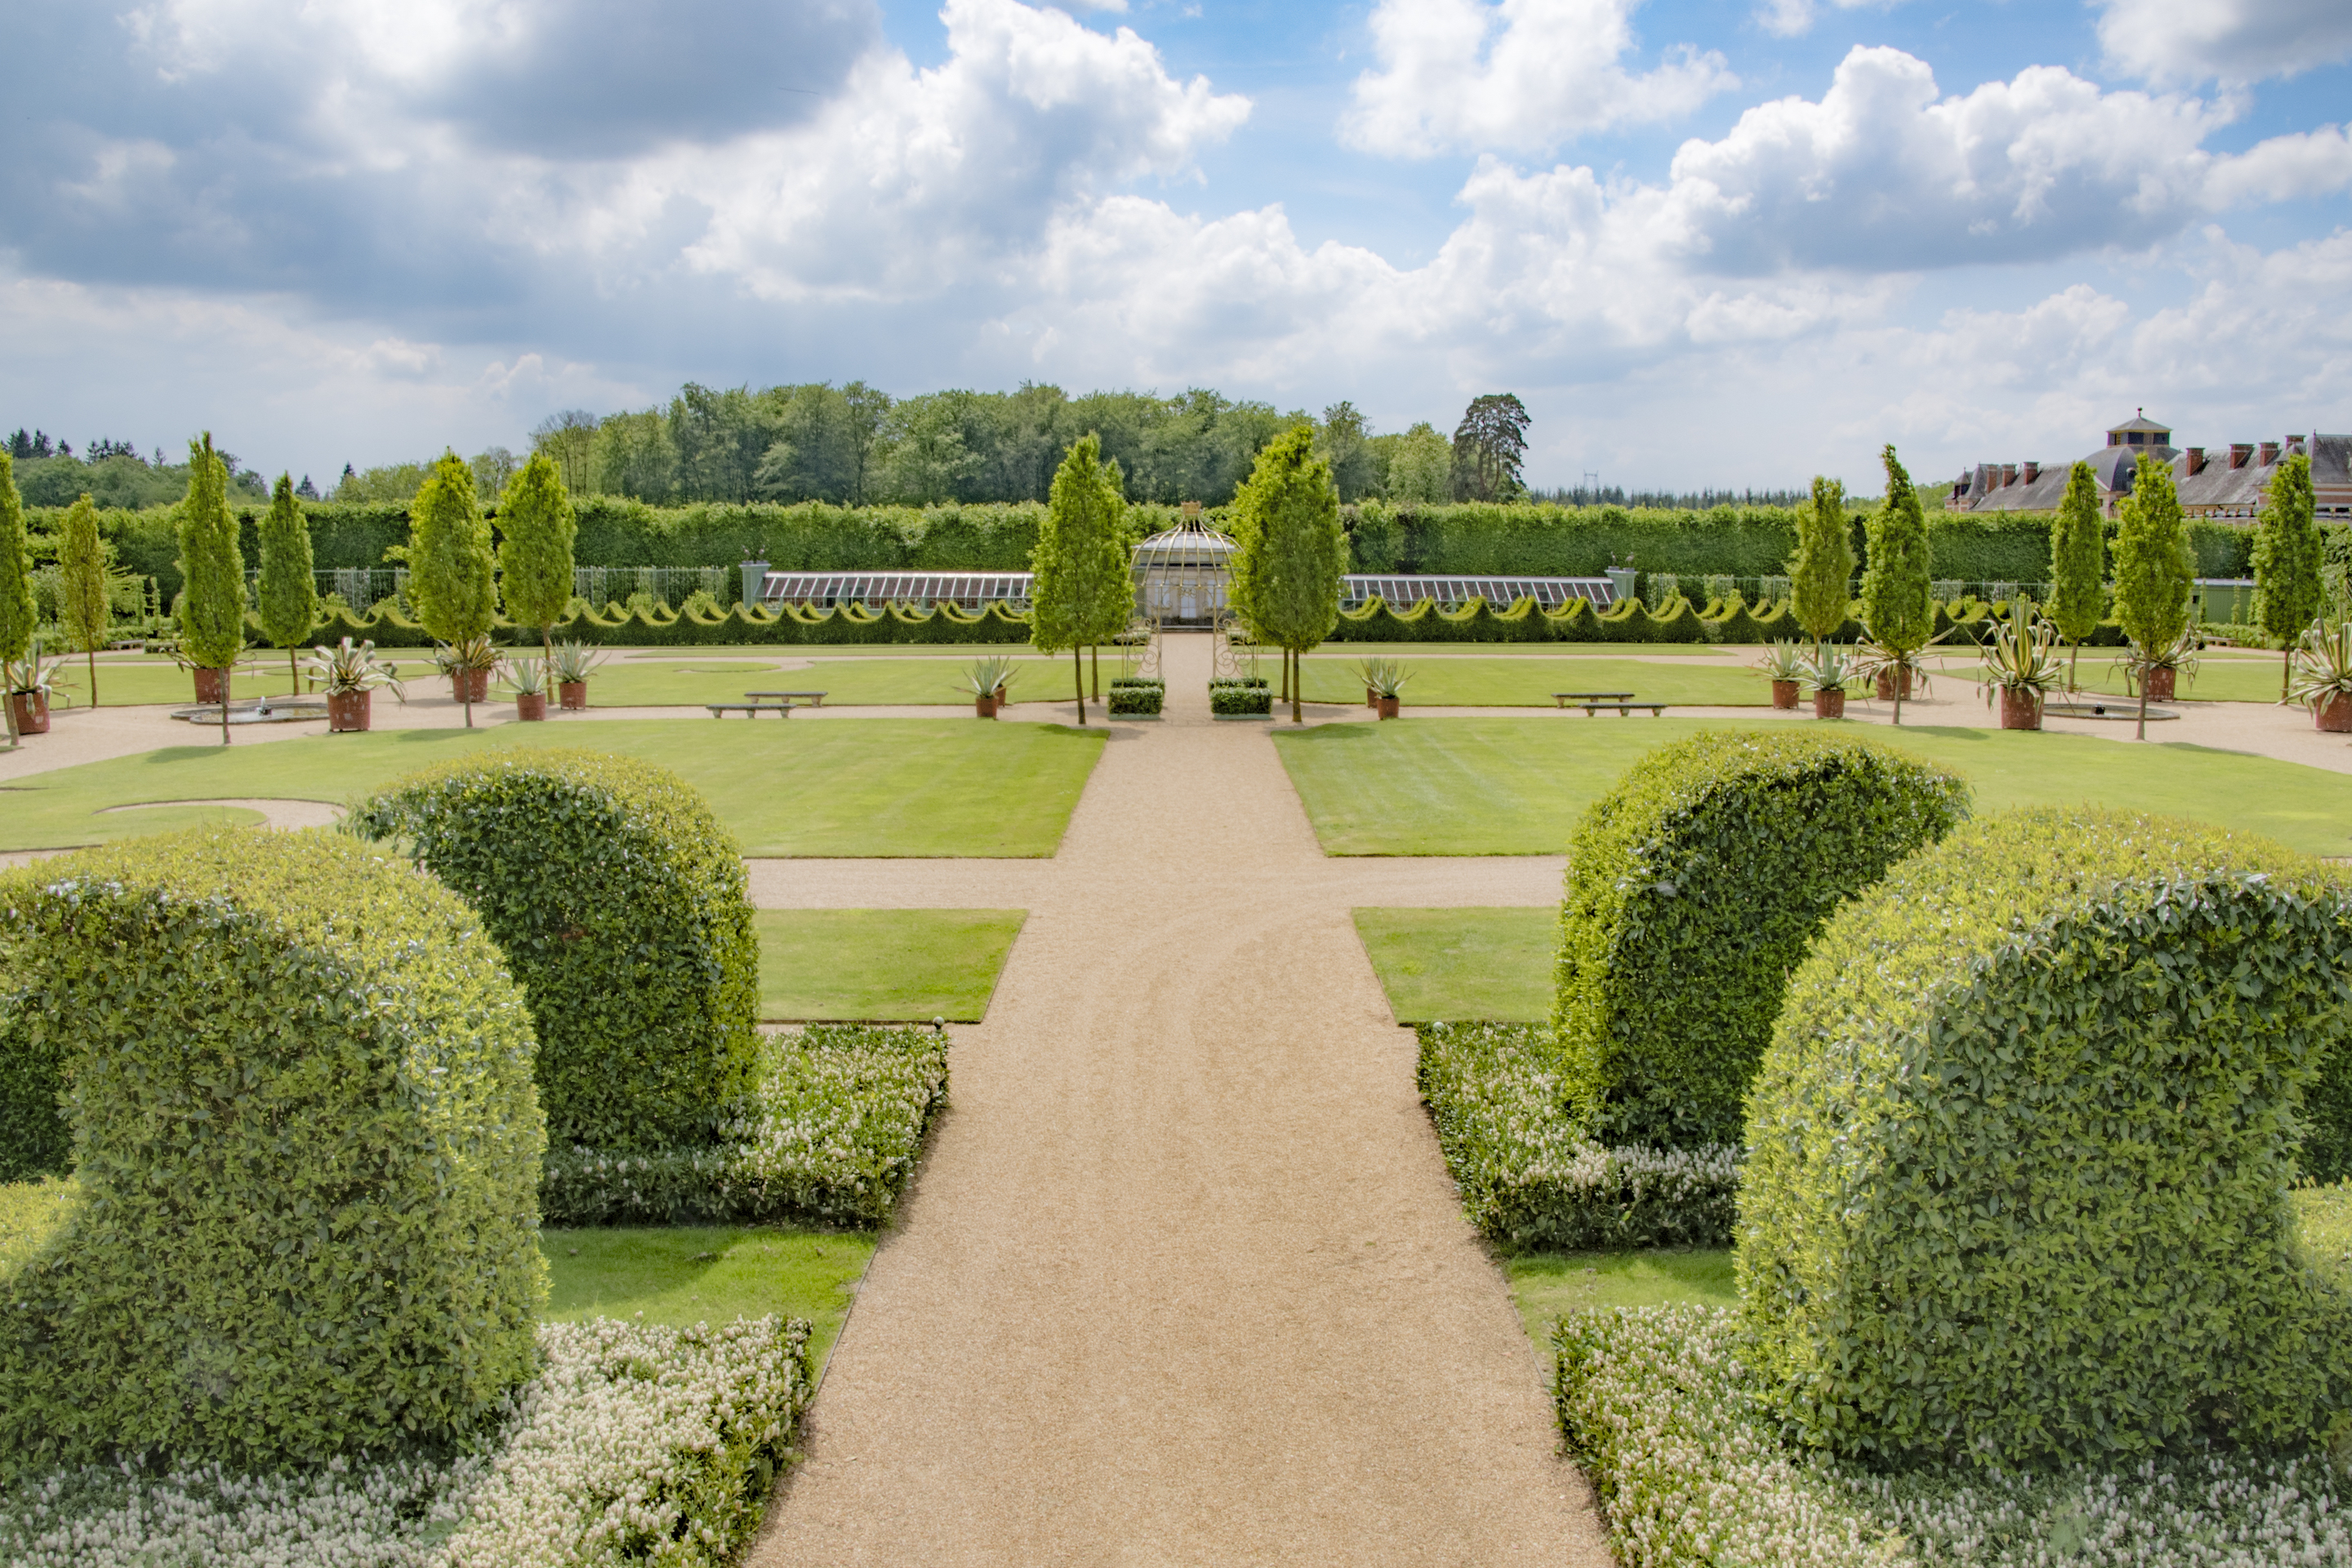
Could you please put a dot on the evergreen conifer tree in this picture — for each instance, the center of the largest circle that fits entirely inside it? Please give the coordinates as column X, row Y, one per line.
column 81, row 566
column 2078, row 561
column 449, row 561
column 2153, row 570
column 1083, row 589
column 1291, row 551
column 1822, row 576
column 16, row 613
column 2287, row 561
column 1895, row 586
column 536, row 525
column 289, row 590
column 211, row 565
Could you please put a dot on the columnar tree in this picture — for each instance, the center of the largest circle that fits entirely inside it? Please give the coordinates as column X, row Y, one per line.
column 449, row 561
column 2288, row 561
column 212, row 604
column 1084, row 590
column 290, row 591
column 2078, row 561
column 81, row 566
column 537, row 526
column 2152, row 571
column 1895, row 587
column 1822, row 574
column 16, row 583
column 1291, row 551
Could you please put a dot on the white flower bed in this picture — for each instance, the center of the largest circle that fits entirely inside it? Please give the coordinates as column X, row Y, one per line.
column 1692, row 1473
column 1530, row 1176
column 635, row 1444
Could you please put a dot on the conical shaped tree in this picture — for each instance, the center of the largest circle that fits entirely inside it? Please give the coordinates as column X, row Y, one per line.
column 1083, row 591
column 212, row 604
column 537, row 526
column 2153, row 571
column 16, row 611
column 289, row 589
column 1820, row 576
column 82, row 559
column 2287, row 561
column 449, row 561
column 1896, row 585
column 2078, row 563
column 1291, row 550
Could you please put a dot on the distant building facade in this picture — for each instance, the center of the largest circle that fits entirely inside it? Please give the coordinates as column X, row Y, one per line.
column 2231, row 482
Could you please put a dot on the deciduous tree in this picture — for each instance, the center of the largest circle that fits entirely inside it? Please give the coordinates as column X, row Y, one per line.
column 289, row 590
column 2078, row 563
column 82, row 559
column 1820, row 577
column 1895, row 586
column 449, row 561
column 2288, row 561
column 537, row 527
column 1488, row 447
column 16, row 614
column 212, row 567
column 2153, row 570
column 1291, row 551
column 1083, row 591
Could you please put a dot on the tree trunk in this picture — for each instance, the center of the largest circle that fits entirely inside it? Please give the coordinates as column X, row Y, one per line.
column 293, row 675
column 1093, row 666
column 1078, row 679
column 2073, row 652
column 1902, row 679
column 2286, row 672
column 465, row 684
column 7, row 701
column 228, row 684
column 92, row 655
column 1298, row 678
column 2143, row 706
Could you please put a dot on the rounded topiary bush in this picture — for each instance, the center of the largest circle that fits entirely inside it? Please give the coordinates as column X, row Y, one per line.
column 1693, row 888
column 621, row 904
column 2019, row 1153
column 303, row 1220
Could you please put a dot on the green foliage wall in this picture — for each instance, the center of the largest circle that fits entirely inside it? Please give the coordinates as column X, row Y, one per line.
column 2019, row 1151
column 621, row 905
column 303, row 1220
column 1693, row 888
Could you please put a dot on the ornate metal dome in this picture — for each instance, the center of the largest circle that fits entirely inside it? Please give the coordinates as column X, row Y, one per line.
column 1182, row 576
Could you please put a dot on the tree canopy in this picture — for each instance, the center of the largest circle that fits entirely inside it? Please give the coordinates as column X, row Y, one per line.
column 1898, row 607
column 2078, row 552
column 1489, row 445
column 212, row 563
column 1290, row 549
column 82, row 559
column 1084, row 590
column 288, row 589
column 1820, row 577
column 449, row 555
column 537, row 528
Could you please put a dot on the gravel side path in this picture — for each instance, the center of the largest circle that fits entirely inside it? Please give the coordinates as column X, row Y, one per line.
column 1183, row 1279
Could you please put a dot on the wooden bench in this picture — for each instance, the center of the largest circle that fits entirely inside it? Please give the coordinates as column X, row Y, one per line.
column 1564, row 698
column 749, row 710
column 1657, row 710
column 811, row 698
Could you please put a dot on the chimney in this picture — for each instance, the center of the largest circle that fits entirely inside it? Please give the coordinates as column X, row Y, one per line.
column 2269, row 453
column 2009, row 473
column 2196, row 459
column 2032, row 473
column 2240, row 451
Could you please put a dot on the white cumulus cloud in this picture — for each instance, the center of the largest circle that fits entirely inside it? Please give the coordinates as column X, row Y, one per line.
column 2231, row 41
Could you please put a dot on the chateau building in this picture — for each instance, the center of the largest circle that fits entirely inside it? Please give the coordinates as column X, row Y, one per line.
column 2231, row 482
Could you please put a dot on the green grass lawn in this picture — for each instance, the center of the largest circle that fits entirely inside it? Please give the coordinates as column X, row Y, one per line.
column 1523, row 682
column 1547, row 1284
column 1517, row 787
column 886, row 964
column 1345, row 653
column 920, row 677
column 875, row 788
column 2222, row 677
column 715, row 1274
column 1485, row 963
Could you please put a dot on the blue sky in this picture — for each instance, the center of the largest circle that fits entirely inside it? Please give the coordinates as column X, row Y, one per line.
column 1708, row 243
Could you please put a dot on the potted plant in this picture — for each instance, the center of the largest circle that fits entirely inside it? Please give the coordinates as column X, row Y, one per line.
column 2157, row 669
column 350, row 675
column 528, row 679
column 986, row 680
column 29, row 681
column 2020, row 666
column 2322, row 679
column 1385, row 679
column 1825, row 676
column 572, row 664
column 1784, row 666
column 467, row 662
column 1888, row 672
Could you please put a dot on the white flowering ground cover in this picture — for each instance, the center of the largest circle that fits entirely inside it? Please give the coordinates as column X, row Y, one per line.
column 832, row 1137
column 635, row 1444
column 1528, row 1176
column 1690, row 1472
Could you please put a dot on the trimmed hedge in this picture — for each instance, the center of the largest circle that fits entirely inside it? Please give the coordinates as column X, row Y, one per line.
column 2020, row 1154
column 692, row 627
column 1239, row 701
column 621, row 904
column 1131, row 695
column 1693, row 888
column 302, row 1223
column 35, row 1138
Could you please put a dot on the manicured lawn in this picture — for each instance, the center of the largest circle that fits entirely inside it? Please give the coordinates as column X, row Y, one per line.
column 921, row 675
column 876, row 787
column 1517, row 787
column 1347, row 652
column 2222, row 677
column 883, row 964
column 2324, row 1218
column 1524, row 682
column 1463, row 964
column 706, row 1274
column 1547, row 1284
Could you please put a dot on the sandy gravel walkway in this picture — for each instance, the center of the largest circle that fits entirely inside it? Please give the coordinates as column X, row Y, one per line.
column 1183, row 1279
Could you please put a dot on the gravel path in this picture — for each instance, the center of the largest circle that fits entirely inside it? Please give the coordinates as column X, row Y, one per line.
column 1183, row 1279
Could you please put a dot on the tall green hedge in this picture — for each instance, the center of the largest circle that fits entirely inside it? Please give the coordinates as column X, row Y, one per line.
column 620, row 902
column 303, row 1219
column 2019, row 1155
column 693, row 628
column 1693, row 888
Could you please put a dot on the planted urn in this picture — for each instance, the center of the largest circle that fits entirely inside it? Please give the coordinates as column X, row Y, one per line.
column 349, row 674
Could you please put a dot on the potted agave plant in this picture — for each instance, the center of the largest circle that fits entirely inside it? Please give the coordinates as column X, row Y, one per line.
column 2322, row 679
column 986, row 680
column 2020, row 666
column 570, row 664
column 1384, row 680
column 2158, row 670
column 1784, row 666
column 350, row 675
column 467, row 662
column 1826, row 676
column 528, row 679
column 29, row 681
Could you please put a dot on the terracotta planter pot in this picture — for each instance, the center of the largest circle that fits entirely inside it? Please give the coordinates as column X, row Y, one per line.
column 985, row 706
column 1371, row 698
column 2334, row 714
column 530, row 707
column 1829, row 704
column 211, row 685
column 31, row 708
column 573, row 694
column 2020, row 707
column 1388, row 706
column 1784, row 694
column 478, row 680
column 349, row 712
column 1886, row 685
column 2160, row 684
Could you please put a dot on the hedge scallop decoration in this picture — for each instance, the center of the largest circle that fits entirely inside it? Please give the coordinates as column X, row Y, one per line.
column 620, row 902
column 2019, row 1155
column 303, row 1222
column 1693, row 888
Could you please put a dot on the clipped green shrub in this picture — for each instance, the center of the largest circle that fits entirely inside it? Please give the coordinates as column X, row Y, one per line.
column 1693, row 888
column 2020, row 1154
column 1239, row 701
column 1135, row 697
column 303, row 1221
column 35, row 1138
column 620, row 902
